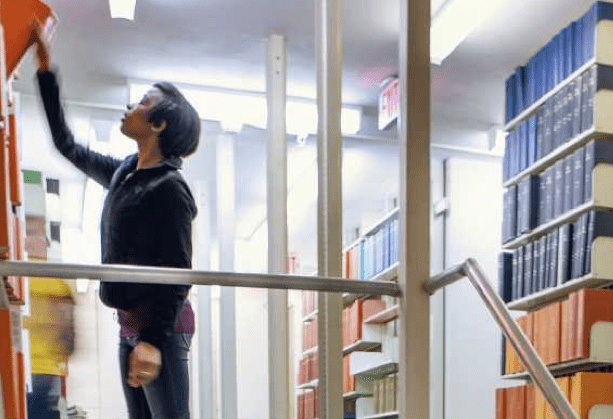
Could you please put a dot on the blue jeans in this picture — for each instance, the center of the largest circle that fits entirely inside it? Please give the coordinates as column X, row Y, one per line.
column 44, row 398
column 166, row 397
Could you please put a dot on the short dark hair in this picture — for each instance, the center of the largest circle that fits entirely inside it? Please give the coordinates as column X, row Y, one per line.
column 182, row 133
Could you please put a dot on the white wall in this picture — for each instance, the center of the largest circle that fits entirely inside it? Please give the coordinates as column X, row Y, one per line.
column 472, row 342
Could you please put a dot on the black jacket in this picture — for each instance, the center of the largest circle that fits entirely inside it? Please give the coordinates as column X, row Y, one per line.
column 146, row 220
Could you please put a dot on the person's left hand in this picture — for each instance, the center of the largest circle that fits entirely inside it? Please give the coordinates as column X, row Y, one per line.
column 144, row 364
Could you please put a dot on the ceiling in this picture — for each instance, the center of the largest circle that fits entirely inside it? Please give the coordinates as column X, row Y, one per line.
column 223, row 43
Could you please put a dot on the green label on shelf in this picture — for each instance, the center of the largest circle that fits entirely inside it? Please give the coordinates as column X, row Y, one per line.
column 30, row 176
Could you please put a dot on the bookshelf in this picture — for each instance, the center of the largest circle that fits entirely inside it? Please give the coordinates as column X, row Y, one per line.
column 384, row 316
column 558, row 179
column 389, row 274
column 379, row 370
column 362, row 346
column 560, row 152
column 373, row 344
column 311, row 385
column 601, row 275
column 602, row 200
column 532, row 108
column 310, row 317
column 354, row 395
column 601, row 354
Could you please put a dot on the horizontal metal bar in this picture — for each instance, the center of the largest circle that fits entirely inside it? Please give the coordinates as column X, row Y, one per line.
column 534, row 364
column 174, row 276
column 445, row 278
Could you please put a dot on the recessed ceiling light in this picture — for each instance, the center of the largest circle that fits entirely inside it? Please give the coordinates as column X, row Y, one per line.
column 122, row 9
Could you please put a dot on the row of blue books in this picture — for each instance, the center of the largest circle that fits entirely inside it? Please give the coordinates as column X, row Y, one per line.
column 553, row 259
column 559, row 189
column 559, row 120
column 571, row 48
column 377, row 252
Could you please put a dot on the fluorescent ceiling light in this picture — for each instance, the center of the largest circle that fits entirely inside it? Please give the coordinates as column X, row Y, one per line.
column 122, row 9
column 454, row 21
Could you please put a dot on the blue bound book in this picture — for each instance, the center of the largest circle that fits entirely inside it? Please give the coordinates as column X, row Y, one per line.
column 542, row 212
column 583, row 220
column 558, row 196
column 523, row 146
column 549, row 193
column 536, row 261
column 568, row 183
column 531, row 140
column 510, row 98
column 578, row 176
column 568, row 124
column 505, row 276
column 520, row 273
column 576, row 107
column 528, row 269
column 548, row 141
column 557, row 113
column 577, row 44
column 574, row 265
column 589, row 28
column 553, row 274
column 563, row 254
column 556, row 42
column 542, row 263
column 514, row 288
column 568, row 52
column 591, row 226
column 519, row 90
column 513, row 227
column 540, row 126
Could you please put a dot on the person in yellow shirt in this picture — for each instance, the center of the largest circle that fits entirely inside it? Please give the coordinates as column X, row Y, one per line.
column 51, row 326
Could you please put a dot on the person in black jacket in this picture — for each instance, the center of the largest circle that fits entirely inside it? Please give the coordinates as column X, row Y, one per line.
column 146, row 220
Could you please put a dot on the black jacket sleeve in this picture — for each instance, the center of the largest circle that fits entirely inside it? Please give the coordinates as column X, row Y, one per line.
column 175, row 210
column 95, row 165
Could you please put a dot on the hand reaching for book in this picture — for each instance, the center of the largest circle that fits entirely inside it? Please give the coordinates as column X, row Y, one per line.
column 42, row 49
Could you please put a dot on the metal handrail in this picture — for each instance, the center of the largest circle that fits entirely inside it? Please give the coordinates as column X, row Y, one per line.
column 174, row 276
column 535, row 366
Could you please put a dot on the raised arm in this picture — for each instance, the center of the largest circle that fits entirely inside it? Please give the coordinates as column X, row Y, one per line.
column 99, row 167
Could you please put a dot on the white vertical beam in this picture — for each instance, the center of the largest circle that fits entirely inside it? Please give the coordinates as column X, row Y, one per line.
column 276, row 169
column 414, row 270
column 204, row 395
column 226, row 198
column 329, row 220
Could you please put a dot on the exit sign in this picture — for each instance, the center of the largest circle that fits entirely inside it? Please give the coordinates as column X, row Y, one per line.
column 389, row 104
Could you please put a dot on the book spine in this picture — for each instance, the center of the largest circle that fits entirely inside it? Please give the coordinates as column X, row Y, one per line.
column 563, row 254
column 558, row 189
column 589, row 164
column 543, row 263
column 540, row 133
column 589, row 241
column 576, row 107
column 528, row 269
column 578, row 176
column 536, row 263
column 568, row 183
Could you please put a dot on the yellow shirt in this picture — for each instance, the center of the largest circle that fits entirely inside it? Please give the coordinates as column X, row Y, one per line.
column 50, row 299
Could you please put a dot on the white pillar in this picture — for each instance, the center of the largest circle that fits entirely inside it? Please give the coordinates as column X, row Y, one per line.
column 226, row 199
column 203, row 400
column 414, row 269
column 276, row 169
column 329, row 220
